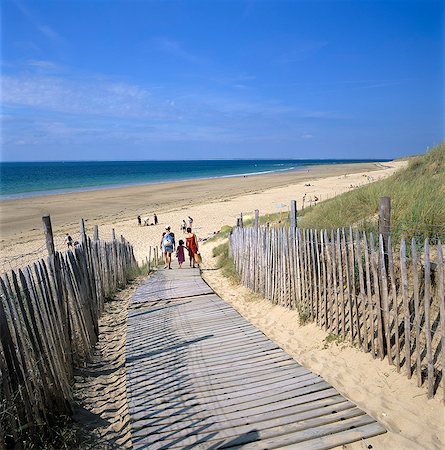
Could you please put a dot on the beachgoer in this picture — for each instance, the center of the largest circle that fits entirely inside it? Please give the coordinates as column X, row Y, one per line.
column 184, row 226
column 139, row 221
column 69, row 241
column 155, row 218
column 190, row 222
column 180, row 253
column 192, row 245
column 167, row 245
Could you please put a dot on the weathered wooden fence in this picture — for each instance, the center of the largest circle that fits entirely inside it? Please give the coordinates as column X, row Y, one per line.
column 389, row 303
column 49, row 315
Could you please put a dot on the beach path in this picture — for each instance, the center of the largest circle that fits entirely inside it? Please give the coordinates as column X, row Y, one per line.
column 199, row 375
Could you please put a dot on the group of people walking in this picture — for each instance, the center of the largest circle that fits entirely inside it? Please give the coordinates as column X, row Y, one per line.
column 168, row 246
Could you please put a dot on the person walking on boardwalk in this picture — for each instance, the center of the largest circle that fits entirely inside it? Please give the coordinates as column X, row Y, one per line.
column 167, row 245
column 180, row 253
column 192, row 245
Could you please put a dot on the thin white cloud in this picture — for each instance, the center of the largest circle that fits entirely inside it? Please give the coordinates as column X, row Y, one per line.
column 91, row 96
column 300, row 50
column 44, row 65
column 49, row 32
column 46, row 30
column 175, row 49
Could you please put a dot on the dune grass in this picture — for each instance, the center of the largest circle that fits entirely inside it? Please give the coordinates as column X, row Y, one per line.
column 225, row 262
column 417, row 201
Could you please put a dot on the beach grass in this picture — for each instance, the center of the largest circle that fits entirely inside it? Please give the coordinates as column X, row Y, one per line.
column 417, row 201
column 225, row 263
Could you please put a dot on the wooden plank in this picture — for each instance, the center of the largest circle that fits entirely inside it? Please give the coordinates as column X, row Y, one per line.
column 378, row 303
column 345, row 252
column 369, row 295
column 195, row 385
column 427, row 306
column 417, row 318
column 395, row 306
column 341, row 284
column 363, row 299
column 335, row 298
column 384, row 296
column 406, row 309
column 330, row 294
column 441, row 300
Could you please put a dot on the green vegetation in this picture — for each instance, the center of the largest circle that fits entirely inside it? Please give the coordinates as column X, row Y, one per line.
column 136, row 271
column 225, row 262
column 332, row 338
column 417, row 201
column 223, row 233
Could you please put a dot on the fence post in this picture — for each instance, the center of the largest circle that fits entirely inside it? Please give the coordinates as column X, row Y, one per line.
column 96, row 233
column 113, row 234
column 384, row 224
column 293, row 214
column 83, row 236
column 48, row 230
column 257, row 218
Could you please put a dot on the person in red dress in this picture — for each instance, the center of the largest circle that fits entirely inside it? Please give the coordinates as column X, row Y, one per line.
column 192, row 245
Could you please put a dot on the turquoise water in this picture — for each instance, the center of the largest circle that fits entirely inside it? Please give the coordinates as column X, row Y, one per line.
column 42, row 178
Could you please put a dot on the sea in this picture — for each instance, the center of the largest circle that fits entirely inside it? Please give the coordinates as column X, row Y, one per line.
column 27, row 179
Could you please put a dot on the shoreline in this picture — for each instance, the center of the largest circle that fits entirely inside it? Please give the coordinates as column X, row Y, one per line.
column 211, row 202
column 88, row 188
column 23, row 215
column 78, row 190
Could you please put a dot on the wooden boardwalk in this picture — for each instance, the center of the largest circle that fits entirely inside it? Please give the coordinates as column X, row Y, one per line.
column 201, row 376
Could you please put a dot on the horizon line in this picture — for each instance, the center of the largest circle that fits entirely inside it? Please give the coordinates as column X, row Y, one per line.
column 204, row 159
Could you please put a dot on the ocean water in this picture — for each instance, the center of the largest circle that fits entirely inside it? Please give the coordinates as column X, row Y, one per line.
column 24, row 179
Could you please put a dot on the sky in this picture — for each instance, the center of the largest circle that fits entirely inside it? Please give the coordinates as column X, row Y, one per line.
column 132, row 80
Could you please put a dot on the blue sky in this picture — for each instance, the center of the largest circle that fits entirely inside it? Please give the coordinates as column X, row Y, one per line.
column 220, row 79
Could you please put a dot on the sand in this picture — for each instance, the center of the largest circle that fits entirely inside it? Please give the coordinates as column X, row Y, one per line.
column 212, row 203
column 412, row 421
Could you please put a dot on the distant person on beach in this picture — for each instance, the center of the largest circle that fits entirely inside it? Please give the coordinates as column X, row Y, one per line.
column 69, row 241
column 139, row 221
column 180, row 253
column 190, row 222
column 155, row 218
column 192, row 245
column 167, row 245
column 184, row 226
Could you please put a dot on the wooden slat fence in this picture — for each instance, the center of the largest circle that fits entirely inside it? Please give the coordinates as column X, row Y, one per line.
column 49, row 315
column 390, row 304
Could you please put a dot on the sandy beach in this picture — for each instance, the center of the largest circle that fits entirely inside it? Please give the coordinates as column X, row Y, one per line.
column 373, row 385
column 212, row 203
